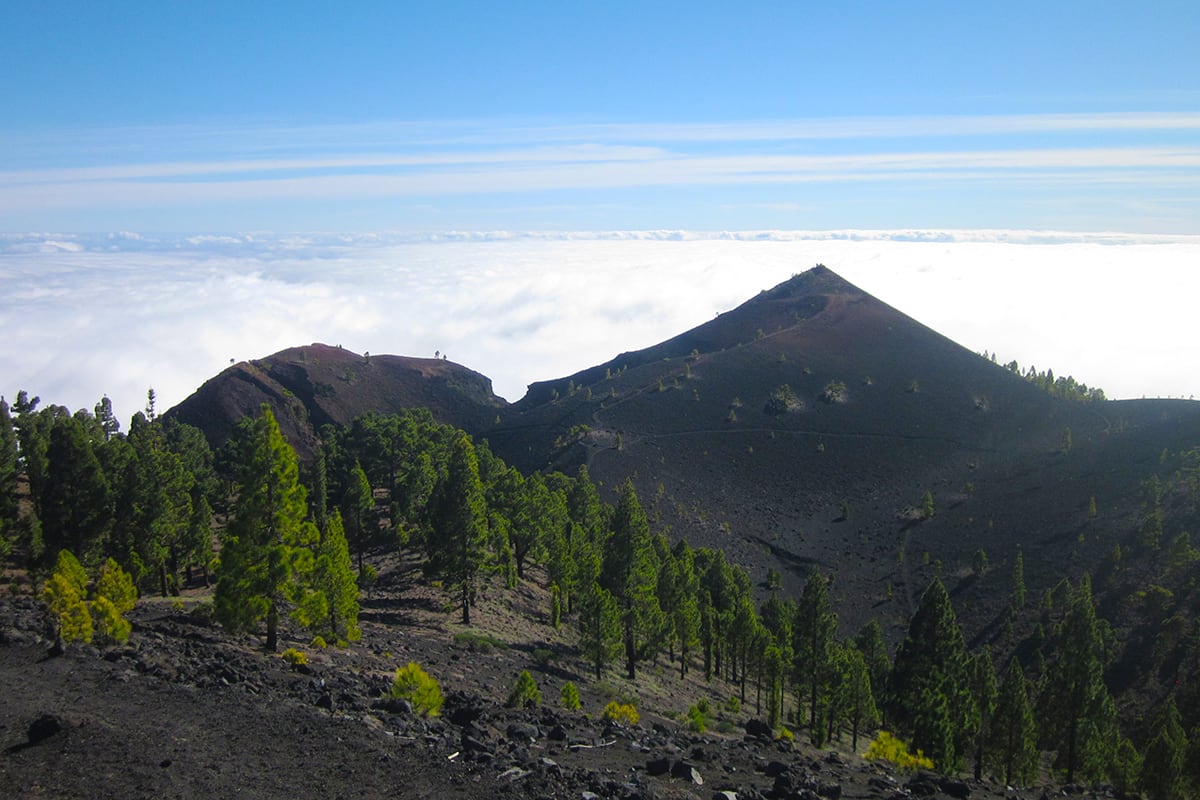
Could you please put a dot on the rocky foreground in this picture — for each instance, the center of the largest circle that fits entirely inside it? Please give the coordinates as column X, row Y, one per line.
column 186, row 711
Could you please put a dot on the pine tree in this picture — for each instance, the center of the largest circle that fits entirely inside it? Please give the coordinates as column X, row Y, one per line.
column 157, row 504
column 265, row 555
column 983, row 696
column 1152, row 525
column 929, row 691
column 631, row 575
column 1163, row 775
column 860, row 708
column 1013, row 732
column 357, row 503
column 334, row 578
column 65, row 596
column 75, row 511
column 599, row 627
column 460, row 524
column 9, row 470
column 115, row 596
column 194, row 546
column 1076, row 705
column 869, row 642
column 1017, row 597
column 813, row 639
column 539, row 514
column 682, row 604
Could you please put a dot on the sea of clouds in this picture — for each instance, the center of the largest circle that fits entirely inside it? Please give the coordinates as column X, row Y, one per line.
column 116, row 314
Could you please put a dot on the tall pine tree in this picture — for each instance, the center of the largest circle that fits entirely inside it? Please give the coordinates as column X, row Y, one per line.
column 599, row 627
column 1076, row 705
column 460, row 524
column 630, row 573
column 983, row 698
column 334, row 578
column 929, row 694
column 1163, row 775
column 265, row 555
column 813, row 635
column 1012, row 739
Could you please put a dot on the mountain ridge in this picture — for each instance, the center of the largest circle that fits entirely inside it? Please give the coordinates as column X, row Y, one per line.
column 800, row 428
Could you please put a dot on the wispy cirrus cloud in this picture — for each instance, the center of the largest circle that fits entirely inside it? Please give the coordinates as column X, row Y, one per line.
column 450, row 164
column 443, row 174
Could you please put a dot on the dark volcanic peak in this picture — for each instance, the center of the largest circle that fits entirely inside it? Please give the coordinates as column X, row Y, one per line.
column 801, row 297
column 805, row 426
column 319, row 384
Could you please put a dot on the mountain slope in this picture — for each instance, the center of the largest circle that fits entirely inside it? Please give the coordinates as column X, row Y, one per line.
column 308, row 387
column 878, row 410
column 829, row 471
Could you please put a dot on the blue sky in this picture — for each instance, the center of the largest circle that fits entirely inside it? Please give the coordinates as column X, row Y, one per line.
column 581, row 116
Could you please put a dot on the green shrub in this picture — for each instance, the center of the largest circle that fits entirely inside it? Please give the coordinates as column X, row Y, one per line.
column 65, row 595
column 319, row 642
column 625, row 713
column 368, row 577
column 835, row 392
column 116, row 584
column 697, row 719
column 542, row 655
column 68, row 610
column 734, row 704
column 204, row 613
column 888, row 748
column 785, row 735
column 570, row 697
column 295, row 657
column 525, row 692
column 415, row 685
column 108, row 623
column 478, row 642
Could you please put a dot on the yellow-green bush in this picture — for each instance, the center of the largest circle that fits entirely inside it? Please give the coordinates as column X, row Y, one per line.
column 888, row 748
column 319, row 642
column 116, row 584
column 525, row 692
column 570, row 697
column 786, row 735
column 621, row 712
column 109, row 625
column 68, row 610
column 65, row 596
column 296, row 658
column 415, row 685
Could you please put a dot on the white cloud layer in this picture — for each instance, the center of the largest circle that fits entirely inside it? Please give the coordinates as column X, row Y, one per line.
column 116, row 314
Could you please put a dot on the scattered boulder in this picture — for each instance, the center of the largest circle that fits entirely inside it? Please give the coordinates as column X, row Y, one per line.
column 523, row 731
column 758, row 729
column 394, row 705
column 955, row 788
column 686, row 771
column 658, row 766
column 44, row 727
